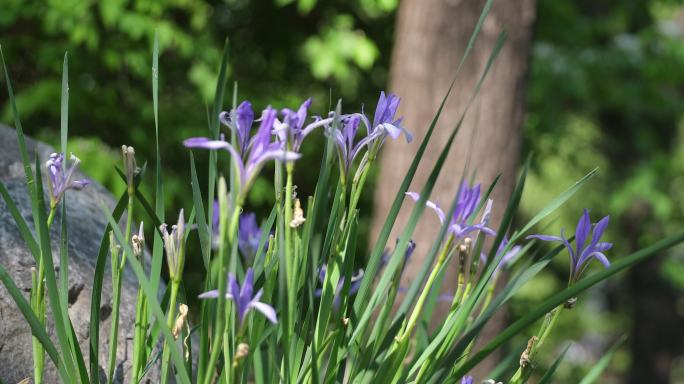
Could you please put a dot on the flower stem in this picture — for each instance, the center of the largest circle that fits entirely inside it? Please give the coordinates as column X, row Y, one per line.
column 38, row 305
column 117, row 274
column 415, row 314
column 116, row 300
column 139, row 336
column 358, row 183
column 166, row 354
column 220, row 323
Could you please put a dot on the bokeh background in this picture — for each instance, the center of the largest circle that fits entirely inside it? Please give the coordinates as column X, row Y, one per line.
column 605, row 88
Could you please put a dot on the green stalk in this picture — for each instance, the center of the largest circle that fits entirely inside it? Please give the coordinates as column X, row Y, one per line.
column 415, row 314
column 38, row 305
column 117, row 273
column 459, row 291
column 114, row 250
column 222, row 281
column 139, row 336
column 523, row 373
column 290, row 263
column 488, row 298
column 166, row 354
column 38, row 355
column 358, row 183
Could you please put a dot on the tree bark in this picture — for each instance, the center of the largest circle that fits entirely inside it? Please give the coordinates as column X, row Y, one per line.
column 431, row 37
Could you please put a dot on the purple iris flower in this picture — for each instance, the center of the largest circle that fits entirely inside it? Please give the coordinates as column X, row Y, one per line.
column 584, row 251
column 260, row 150
column 243, row 297
column 241, row 120
column 384, row 121
column 292, row 128
column 215, row 216
column 467, row 380
column 468, row 200
column 384, row 124
column 249, row 235
column 384, row 114
column 347, row 149
column 354, row 284
column 61, row 179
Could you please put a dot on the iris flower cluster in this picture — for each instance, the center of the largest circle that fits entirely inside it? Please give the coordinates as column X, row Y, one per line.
column 252, row 152
column 461, row 228
column 280, row 135
column 385, row 123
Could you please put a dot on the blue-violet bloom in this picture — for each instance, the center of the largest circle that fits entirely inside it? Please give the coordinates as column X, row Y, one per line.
column 249, row 235
column 260, row 150
column 468, row 200
column 243, row 297
column 347, row 148
column 241, row 120
column 584, row 251
column 215, row 217
column 467, row 380
column 292, row 128
column 61, row 179
column 384, row 120
column 384, row 124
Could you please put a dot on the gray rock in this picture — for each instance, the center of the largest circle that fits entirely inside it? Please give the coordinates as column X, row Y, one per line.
column 86, row 226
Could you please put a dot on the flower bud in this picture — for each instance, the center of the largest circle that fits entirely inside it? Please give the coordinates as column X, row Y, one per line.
column 130, row 165
column 174, row 246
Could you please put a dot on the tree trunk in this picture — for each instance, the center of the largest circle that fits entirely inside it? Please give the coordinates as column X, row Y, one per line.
column 431, row 37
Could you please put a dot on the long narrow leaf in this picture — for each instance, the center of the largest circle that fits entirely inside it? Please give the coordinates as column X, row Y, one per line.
column 64, row 115
column 62, row 324
column 64, row 295
column 424, row 194
column 202, row 227
column 36, row 327
column 19, row 220
column 157, row 247
column 374, row 261
column 26, row 161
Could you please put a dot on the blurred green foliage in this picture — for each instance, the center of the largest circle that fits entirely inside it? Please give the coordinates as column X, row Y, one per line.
column 281, row 53
column 606, row 88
